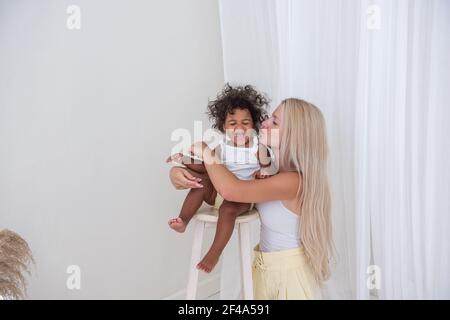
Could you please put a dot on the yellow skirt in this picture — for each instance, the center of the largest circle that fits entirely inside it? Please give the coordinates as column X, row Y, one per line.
column 283, row 275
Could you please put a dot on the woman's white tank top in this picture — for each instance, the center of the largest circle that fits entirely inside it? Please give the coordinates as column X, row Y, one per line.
column 279, row 227
column 242, row 162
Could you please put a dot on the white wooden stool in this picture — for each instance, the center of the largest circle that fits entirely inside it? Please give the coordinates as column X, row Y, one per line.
column 207, row 216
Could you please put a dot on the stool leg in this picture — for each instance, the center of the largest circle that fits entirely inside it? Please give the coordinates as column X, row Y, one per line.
column 191, row 289
column 246, row 264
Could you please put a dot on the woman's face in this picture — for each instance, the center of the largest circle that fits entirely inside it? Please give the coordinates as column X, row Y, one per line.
column 270, row 128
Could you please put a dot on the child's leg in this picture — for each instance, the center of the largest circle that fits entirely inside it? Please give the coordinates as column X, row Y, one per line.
column 197, row 167
column 228, row 212
column 192, row 203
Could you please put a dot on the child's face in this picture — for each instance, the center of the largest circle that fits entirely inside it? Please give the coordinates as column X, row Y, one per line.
column 238, row 126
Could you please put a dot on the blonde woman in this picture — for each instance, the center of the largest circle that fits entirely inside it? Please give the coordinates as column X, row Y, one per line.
column 292, row 258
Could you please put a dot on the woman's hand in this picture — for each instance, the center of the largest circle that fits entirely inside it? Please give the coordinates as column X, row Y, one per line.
column 182, row 179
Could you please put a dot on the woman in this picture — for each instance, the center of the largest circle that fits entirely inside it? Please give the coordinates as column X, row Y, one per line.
column 291, row 260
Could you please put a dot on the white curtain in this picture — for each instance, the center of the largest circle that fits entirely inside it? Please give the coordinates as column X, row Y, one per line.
column 380, row 72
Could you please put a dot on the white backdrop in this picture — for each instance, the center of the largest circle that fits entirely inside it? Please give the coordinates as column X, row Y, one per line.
column 80, row 168
column 379, row 70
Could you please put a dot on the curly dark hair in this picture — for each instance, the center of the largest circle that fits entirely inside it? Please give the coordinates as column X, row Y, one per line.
column 238, row 97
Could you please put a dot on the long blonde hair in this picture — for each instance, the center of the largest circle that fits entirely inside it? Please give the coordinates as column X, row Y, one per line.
column 304, row 149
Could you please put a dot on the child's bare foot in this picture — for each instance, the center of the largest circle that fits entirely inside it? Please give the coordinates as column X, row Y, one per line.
column 208, row 262
column 177, row 224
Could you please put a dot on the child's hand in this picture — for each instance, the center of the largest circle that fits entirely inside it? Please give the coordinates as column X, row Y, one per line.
column 197, row 149
column 177, row 158
column 260, row 175
column 184, row 159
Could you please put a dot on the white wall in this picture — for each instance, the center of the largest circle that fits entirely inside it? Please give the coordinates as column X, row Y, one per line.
column 85, row 123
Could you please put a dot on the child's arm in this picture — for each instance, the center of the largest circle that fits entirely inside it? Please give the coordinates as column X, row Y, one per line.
column 190, row 161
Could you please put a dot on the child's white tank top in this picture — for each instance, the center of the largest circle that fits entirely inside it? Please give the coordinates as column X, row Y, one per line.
column 241, row 161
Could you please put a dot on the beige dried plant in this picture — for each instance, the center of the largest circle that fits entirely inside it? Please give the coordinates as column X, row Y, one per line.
column 15, row 260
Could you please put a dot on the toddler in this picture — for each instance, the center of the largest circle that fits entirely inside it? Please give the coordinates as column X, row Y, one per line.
column 237, row 113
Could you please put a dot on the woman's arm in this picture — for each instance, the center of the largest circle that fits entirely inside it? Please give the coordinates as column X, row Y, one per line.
column 282, row 186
